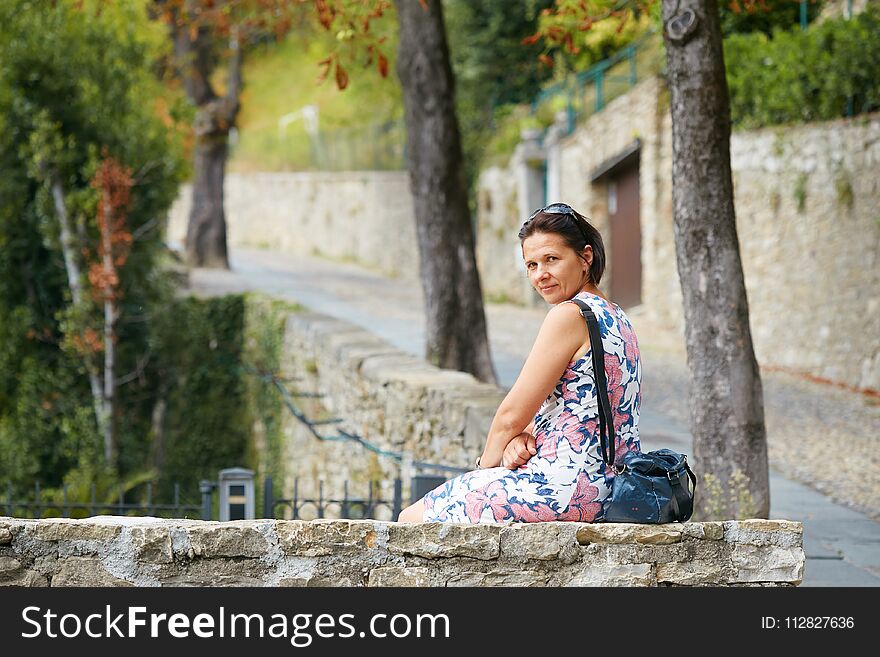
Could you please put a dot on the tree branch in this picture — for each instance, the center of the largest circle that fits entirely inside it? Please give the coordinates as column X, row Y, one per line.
column 137, row 372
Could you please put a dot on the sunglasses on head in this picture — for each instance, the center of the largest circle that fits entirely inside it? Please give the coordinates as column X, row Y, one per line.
column 561, row 208
column 554, row 208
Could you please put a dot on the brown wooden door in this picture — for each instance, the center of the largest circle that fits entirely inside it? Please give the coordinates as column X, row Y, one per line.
column 625, row 258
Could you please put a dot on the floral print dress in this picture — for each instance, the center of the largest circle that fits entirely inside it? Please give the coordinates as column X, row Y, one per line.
column 567, row 478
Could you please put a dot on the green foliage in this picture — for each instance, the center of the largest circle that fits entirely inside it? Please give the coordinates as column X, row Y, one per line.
column 490, row 138
column 493, row 69
column 733, row 501
column 800, row 191
column 827, row 71
column 198, row 346
column 843, row 189
column 264, row 340
column 74, row 82
column 739, row 18
column 281, row 78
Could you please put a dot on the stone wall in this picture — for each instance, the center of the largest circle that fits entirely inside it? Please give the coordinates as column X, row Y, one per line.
column 809, row 230
column 365, row 216
column 396, row 401
column 120, row 551
column 806, row 199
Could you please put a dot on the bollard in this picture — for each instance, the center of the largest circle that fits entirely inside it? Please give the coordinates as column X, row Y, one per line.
column 206, row 487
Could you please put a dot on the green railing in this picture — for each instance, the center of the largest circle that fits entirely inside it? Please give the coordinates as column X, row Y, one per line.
column 588, row 92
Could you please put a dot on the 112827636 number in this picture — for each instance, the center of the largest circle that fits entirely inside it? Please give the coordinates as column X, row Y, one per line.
column 808, row 622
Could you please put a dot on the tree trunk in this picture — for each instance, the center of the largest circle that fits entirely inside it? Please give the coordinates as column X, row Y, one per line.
column 111, row 314
column 71, row 264
column 726, row 404
column 455, row 322
column 215, row 117
column 206, row 229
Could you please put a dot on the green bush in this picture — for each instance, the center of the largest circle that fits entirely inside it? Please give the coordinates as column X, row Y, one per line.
column 827, row 71
column 75, row 80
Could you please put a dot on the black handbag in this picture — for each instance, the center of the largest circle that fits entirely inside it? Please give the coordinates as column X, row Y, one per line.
column 648, row 487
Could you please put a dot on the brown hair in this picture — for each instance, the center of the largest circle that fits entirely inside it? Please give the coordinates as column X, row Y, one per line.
column 574, row 228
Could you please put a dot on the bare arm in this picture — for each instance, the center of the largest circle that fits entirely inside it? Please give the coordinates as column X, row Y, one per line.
column 561, row 335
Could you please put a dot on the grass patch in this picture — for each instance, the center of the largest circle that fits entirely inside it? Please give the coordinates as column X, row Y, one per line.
column 282, row 78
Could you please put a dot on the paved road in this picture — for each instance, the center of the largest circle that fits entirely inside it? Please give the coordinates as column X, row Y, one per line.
column 841, row 544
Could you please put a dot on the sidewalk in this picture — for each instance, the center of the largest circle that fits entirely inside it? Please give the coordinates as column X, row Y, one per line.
column 842, row 544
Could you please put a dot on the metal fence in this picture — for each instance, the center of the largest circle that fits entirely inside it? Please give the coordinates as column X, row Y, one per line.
column 67, row 506
column 305, row 508
column 588, row 92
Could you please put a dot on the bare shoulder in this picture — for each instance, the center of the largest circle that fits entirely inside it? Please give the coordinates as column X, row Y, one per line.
column 565, row 312
column 564, row 318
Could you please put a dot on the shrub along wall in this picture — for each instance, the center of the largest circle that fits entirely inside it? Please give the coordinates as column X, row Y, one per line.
column 830, row 70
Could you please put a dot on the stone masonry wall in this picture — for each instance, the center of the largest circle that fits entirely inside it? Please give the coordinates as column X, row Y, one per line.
column 392, row 399
column 807, row 200
column 365, row 216
column 120, row 551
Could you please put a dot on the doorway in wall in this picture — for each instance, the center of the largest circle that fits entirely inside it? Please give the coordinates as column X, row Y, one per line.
column 624, row 247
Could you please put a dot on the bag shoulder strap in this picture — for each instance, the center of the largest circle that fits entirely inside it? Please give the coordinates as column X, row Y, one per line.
column 606, row 420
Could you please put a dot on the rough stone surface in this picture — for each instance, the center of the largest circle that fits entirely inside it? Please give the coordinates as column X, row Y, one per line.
column 498, row 579
column 316, row 538
column 433, row 540
column 355, row 553
column 82, row 571
column 13, row 573
column 638, row 574
column 67, row 529
column 630, row 533
column 519, row 542
column 153, row 544
column 694, row 573
column 396, row 576
column 226, row 540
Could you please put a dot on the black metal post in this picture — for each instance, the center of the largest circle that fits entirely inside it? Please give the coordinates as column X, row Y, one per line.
column 206, row 487
column 321, row 499
column 268, row 498
column 398, row 498
column 344, row 511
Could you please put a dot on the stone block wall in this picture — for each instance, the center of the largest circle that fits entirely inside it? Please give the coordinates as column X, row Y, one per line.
column 121, row 551
column 807, row 200
column 365, row 216
column 396, row 401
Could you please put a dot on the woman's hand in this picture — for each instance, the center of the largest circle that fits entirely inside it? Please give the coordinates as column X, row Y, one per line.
column 519, row 451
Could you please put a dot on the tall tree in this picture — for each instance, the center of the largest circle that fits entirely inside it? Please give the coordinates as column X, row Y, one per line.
column 78, row 252
column 726, row 401
column 196, row 56
column 455, row 321
column 456, row 324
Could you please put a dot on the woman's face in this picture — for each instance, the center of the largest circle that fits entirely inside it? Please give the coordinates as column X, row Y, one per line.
column 554, row 269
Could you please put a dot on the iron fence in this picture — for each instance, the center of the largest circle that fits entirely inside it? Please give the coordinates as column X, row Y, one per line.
column 588, row 92
column 67, row 507
column 308, row 508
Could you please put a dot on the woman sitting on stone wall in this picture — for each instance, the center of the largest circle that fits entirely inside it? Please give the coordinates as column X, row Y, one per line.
column 546, row 466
